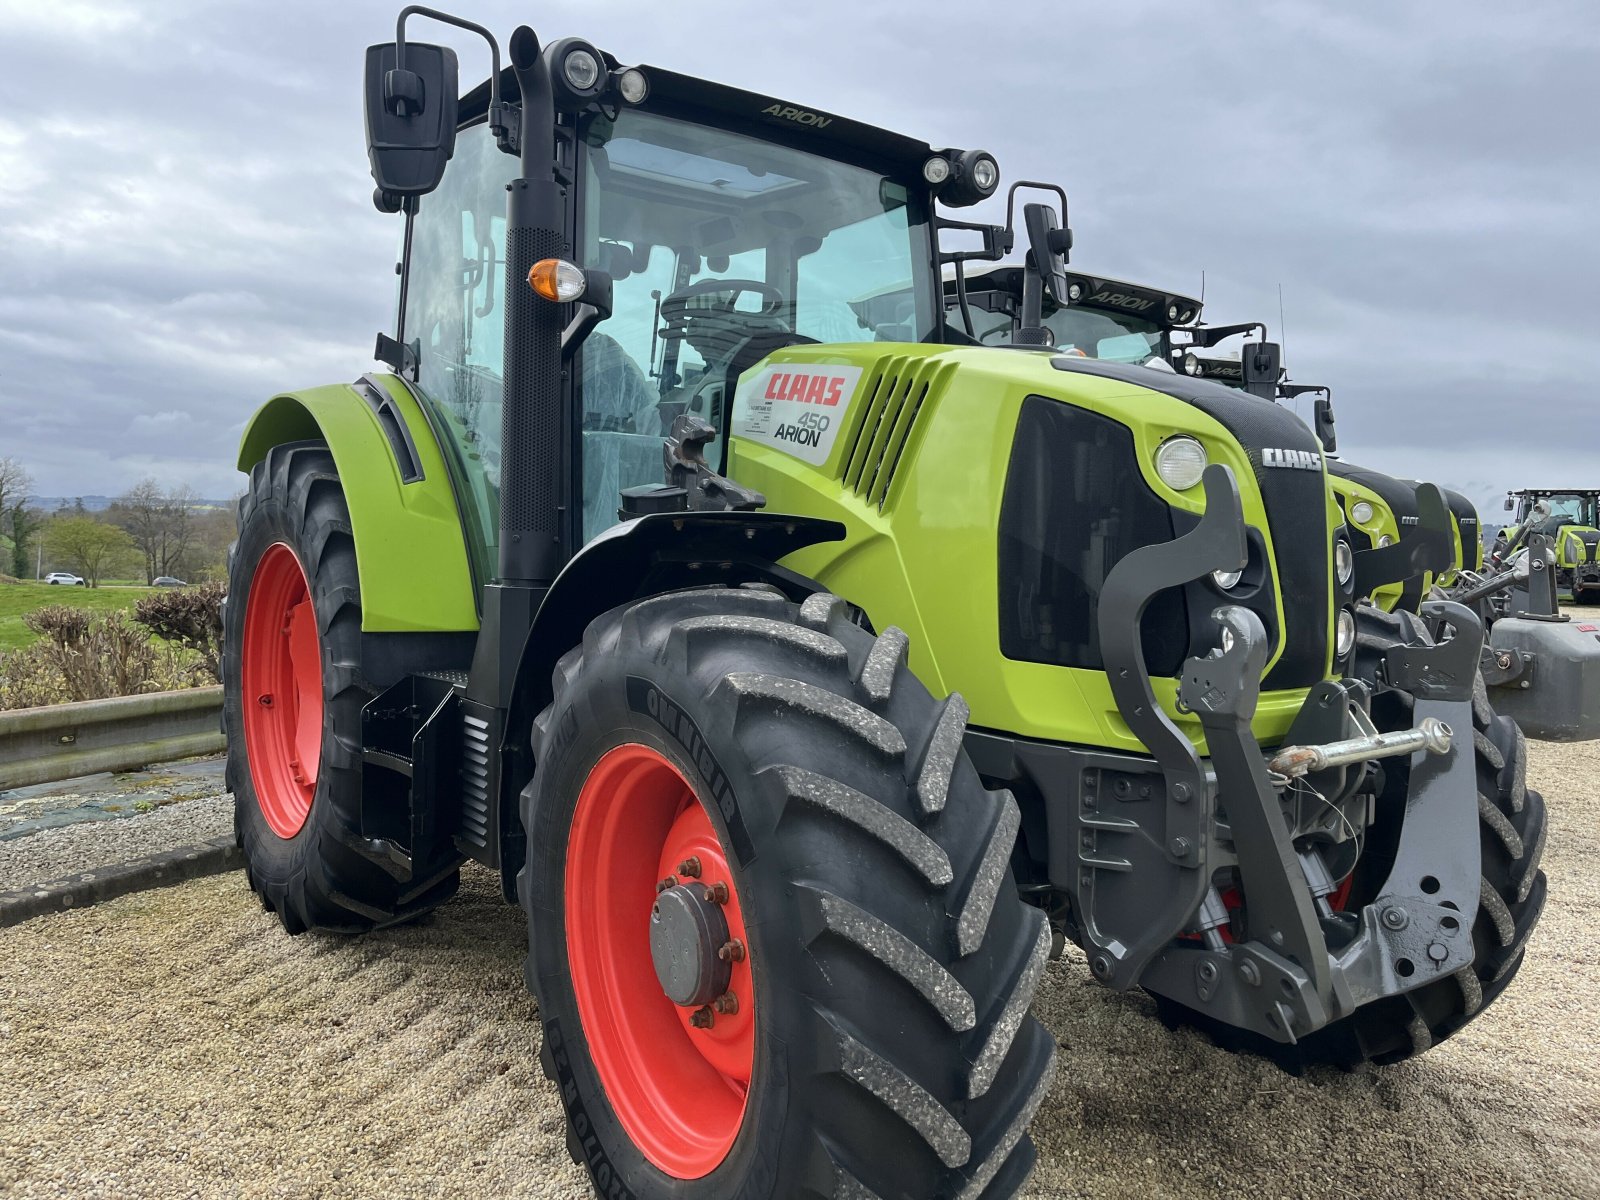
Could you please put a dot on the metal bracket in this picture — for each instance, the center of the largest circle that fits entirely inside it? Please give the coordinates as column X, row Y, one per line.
column 1447, row 669
column 1504, row 667
column 683, row 454
column 1222, row 689
column 1117, row 956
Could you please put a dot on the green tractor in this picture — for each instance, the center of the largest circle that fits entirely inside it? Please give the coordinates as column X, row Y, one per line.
column 809, row 680
column 1573, row 527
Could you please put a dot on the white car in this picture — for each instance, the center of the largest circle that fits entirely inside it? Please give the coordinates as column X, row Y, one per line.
column 64, row 577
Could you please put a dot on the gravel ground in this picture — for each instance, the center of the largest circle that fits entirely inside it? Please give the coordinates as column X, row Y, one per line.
column 52, row 853
column 176, row 1043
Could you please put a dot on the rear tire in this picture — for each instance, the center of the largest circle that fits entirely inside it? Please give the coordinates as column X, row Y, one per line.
column 304, row 852
column 890, row 959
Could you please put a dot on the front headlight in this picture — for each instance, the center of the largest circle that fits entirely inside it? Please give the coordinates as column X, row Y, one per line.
column 1361, row 512
column 1345, row 637
column 1344, row 562
column 1384, row 540
column 1180, row 461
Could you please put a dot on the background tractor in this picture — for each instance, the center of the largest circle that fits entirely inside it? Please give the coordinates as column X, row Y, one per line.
column 1573, row 527
column 807, row 673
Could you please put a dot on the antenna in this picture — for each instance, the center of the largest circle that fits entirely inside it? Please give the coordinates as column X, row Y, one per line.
column 1283, row 331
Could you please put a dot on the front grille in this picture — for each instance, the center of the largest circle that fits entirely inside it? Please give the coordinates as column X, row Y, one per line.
column 1075, row 504
column 1295, row 500
column 895, row 394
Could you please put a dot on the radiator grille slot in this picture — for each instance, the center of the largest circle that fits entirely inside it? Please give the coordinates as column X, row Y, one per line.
column 895, row 394
column 475, row 781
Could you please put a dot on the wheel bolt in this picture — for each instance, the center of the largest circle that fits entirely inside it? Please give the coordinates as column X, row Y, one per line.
column 690, row 867
column 665, row 884
column 716, row 893
column 731, row 951
column 703, row 1017
column 727, row 1003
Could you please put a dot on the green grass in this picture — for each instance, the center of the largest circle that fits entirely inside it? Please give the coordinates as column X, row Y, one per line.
column 20, row 598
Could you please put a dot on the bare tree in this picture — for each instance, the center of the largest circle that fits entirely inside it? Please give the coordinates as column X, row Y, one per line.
column 160, row 522
column 15, row 483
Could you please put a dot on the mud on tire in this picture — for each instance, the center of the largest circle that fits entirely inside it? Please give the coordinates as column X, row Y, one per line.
column 326, row 876
column 892, row 958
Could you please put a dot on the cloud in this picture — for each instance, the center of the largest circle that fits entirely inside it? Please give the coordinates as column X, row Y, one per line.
column 186, row 225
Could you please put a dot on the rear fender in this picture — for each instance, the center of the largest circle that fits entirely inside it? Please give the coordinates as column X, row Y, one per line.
column 411, row 552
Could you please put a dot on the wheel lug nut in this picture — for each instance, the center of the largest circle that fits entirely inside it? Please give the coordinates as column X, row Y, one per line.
column 703, row 1017
column 665, row 884
column 690, row 867
column 731, row 951
column 716, row 893
column 727, row 1003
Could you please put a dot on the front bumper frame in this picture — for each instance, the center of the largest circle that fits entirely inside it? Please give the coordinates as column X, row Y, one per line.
column 1135, row 843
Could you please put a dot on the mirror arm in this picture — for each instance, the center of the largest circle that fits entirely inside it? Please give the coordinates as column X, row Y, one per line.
column 502, row 117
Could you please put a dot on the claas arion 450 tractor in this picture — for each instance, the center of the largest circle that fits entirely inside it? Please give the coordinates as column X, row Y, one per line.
column 808, row 679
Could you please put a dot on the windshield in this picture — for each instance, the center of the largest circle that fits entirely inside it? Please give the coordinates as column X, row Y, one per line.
column 1570, row 508
column 722, row 248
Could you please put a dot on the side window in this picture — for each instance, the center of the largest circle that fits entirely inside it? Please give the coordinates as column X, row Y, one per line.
column 455, row 291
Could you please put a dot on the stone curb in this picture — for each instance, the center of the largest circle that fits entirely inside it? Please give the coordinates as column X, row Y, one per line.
column 107, row 883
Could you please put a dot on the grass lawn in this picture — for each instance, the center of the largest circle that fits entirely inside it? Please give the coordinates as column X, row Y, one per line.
column 19, row 598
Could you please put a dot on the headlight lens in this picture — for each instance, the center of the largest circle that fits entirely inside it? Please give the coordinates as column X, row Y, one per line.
column 1227, row 580
column 1361, row 512
column 1180, row 461
column 582, row 70
column 985, row 173
column 1384, row 540
column 1191, row 364
column 1344, row 561
column 632, row 86
column 1345, row 639
column 936, row 170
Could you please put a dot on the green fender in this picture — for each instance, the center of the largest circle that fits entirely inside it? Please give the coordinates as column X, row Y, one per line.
column 410, row 550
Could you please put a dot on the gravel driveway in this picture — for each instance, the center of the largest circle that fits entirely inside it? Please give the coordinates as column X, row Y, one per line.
column 176, row 1043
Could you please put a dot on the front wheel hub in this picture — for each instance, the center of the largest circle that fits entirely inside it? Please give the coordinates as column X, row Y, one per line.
column 686, row 931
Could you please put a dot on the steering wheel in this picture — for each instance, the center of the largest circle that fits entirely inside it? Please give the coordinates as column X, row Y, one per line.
column 676, row 305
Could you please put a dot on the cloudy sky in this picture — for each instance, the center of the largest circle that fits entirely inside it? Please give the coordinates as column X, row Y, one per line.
column 186, row 225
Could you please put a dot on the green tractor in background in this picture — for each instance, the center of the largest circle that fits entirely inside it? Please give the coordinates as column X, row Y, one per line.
column 809, row 678
column 1573, row 527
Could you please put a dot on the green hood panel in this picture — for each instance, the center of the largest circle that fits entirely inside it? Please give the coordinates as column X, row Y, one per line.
column 914, row 464
column 410, row 550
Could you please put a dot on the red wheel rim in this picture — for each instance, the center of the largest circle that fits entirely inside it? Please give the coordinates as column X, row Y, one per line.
column 281, row 691
column 678, row 1089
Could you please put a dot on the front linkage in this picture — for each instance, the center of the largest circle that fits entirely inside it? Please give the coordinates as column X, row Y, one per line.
column 1145, row 903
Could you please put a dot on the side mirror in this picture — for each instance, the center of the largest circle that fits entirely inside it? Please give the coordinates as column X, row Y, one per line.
column 411, row 118
column 1048, row 244
column 1322, row 419
column 1509, row 505
column 1260, row 368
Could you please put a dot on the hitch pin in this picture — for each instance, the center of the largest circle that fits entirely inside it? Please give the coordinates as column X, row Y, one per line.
column 1431, row 734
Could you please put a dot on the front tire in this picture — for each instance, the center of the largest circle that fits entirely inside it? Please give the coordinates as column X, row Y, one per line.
column 292, row 699
column 877, row 1042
